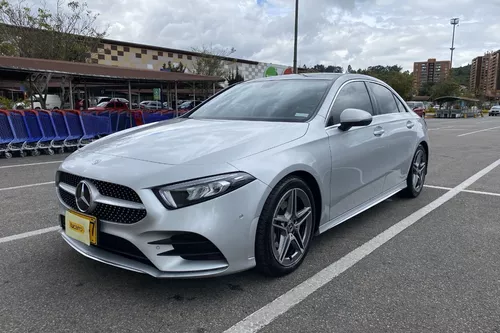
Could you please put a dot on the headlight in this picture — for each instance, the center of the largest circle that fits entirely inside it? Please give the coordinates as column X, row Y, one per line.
column 195, row 191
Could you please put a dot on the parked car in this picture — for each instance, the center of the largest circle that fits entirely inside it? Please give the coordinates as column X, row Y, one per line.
column 150, row 105
column 417, row 107
column 113, row 104
column 246, row 179
column 494, row 111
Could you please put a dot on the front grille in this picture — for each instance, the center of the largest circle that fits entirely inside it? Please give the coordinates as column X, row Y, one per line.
column 110, row 213
column 105, row 188
column 191, row 246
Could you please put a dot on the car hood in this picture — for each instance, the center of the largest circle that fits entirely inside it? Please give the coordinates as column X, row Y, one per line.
column 192, row 141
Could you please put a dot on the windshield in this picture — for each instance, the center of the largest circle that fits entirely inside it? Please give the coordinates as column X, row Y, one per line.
column 273, row 100
column 184, row 105
column 102, row 105
column 415, row 104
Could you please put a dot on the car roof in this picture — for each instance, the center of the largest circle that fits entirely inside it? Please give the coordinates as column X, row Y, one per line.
column 321, row 76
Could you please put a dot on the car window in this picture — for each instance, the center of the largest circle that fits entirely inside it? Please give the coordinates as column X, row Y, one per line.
column 119, row 105
column 353, row 95
column 384, row 98
column 267, row 100
column 400, row 105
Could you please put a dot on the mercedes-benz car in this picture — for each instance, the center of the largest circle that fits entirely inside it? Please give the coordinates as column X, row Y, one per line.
column 246, row 179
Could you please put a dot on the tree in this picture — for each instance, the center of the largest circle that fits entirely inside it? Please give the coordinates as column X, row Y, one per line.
column 211, row 60
column 234, row 76
column 426, row 89
column 400, row 81
column 349, row 69
column 448, row 87
column 69, row 33
column 174, row 68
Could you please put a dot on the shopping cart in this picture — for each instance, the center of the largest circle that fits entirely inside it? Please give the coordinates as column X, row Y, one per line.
column 62, row 128
column 22, row 142
column 49, row 130
column 6, row 133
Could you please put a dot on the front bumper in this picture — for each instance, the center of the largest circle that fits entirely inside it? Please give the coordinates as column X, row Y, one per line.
column 228, row 222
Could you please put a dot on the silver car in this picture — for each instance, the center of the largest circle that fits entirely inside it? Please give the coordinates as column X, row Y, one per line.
column 244, row 180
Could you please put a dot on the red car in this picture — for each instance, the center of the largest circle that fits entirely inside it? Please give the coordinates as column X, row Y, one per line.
column 113, row 104
column 417, row 107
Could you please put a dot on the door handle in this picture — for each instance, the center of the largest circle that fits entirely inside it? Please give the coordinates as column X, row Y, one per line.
column 410, row 124
column 378, row 131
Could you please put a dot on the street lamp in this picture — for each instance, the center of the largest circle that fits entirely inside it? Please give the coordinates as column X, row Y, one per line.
column 296, row 34
column 454, row 23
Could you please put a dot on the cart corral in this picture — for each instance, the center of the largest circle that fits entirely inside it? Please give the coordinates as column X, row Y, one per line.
column 457, row 107
column 37, row 131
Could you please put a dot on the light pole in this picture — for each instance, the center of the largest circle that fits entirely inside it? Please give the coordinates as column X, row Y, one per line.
column 454, row 23
column 295, row 38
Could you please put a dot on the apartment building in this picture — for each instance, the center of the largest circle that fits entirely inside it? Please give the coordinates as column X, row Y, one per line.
column 485, row 75
column 430, row 71
column 493, row 75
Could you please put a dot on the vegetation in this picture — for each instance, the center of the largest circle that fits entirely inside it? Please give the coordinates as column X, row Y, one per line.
column 322, row 69
column 211, row 60
column 400, row 81
column 461, row 75
column 234, row 76
column 69, row 33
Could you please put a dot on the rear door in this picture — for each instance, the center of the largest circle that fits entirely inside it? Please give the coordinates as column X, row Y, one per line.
column 397, row 139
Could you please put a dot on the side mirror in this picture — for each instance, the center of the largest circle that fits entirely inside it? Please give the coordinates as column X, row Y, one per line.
column 354, row 117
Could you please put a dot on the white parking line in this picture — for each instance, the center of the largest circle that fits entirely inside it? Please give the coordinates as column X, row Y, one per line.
column 438, row 187
column 28, row 164
column 466, row 191
column 483, row 130
column 285, row 302
column 28, row 234
column 25, row 186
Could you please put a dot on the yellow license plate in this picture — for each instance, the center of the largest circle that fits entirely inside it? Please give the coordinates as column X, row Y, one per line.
column 81, row 227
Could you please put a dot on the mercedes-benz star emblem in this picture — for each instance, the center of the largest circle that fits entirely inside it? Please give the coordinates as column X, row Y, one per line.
column 85, row 197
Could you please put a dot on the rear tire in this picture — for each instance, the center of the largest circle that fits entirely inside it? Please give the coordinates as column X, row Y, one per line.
column 285, row 228
column 416, row 175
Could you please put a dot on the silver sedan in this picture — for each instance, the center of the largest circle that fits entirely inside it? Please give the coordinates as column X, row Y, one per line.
column 246, row 179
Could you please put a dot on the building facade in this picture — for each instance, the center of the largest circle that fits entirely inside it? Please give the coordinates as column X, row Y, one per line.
column 493, row 75
column 124, row 54
column 430, row 71
column 485, row 75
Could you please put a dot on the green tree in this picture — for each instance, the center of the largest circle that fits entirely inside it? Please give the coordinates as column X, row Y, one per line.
column 400, row 81
column 448, row 87
column 211, row 60
column 234, row 76
column 426, row 89
column 69, row 33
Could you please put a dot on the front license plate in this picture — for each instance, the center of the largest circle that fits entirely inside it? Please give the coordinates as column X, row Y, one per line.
column 81, row 227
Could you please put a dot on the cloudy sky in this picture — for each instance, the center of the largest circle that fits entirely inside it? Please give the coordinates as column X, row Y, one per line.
column 337, row 32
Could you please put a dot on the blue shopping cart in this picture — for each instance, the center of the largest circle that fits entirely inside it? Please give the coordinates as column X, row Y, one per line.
column 50, row 132
column 6, row 133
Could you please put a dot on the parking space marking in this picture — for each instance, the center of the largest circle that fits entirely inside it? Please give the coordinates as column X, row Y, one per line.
column 466, row 191
column 483, row 130
column 265, row 315
column 28, row 234
column 28, row 164
column 25, row 186
column 483, row 193
column 438, row 187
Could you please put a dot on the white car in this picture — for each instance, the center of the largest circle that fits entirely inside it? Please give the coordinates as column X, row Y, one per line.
column 494, row 111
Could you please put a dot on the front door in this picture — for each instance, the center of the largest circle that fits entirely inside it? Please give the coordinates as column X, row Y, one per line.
column 356, row 154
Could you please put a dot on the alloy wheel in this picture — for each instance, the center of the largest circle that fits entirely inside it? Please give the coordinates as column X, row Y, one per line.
column 418, row 170
column 291, row 227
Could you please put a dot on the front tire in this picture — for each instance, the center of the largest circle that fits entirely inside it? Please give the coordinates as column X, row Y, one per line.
column 285, row 228
column 416, row 175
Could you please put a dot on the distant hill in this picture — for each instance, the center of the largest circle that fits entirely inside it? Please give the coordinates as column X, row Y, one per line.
column 461, row 74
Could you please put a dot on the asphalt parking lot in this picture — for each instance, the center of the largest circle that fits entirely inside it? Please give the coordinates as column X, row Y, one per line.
column 425, row 265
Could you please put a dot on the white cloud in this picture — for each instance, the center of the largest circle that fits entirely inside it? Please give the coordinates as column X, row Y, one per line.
column 337, row 32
